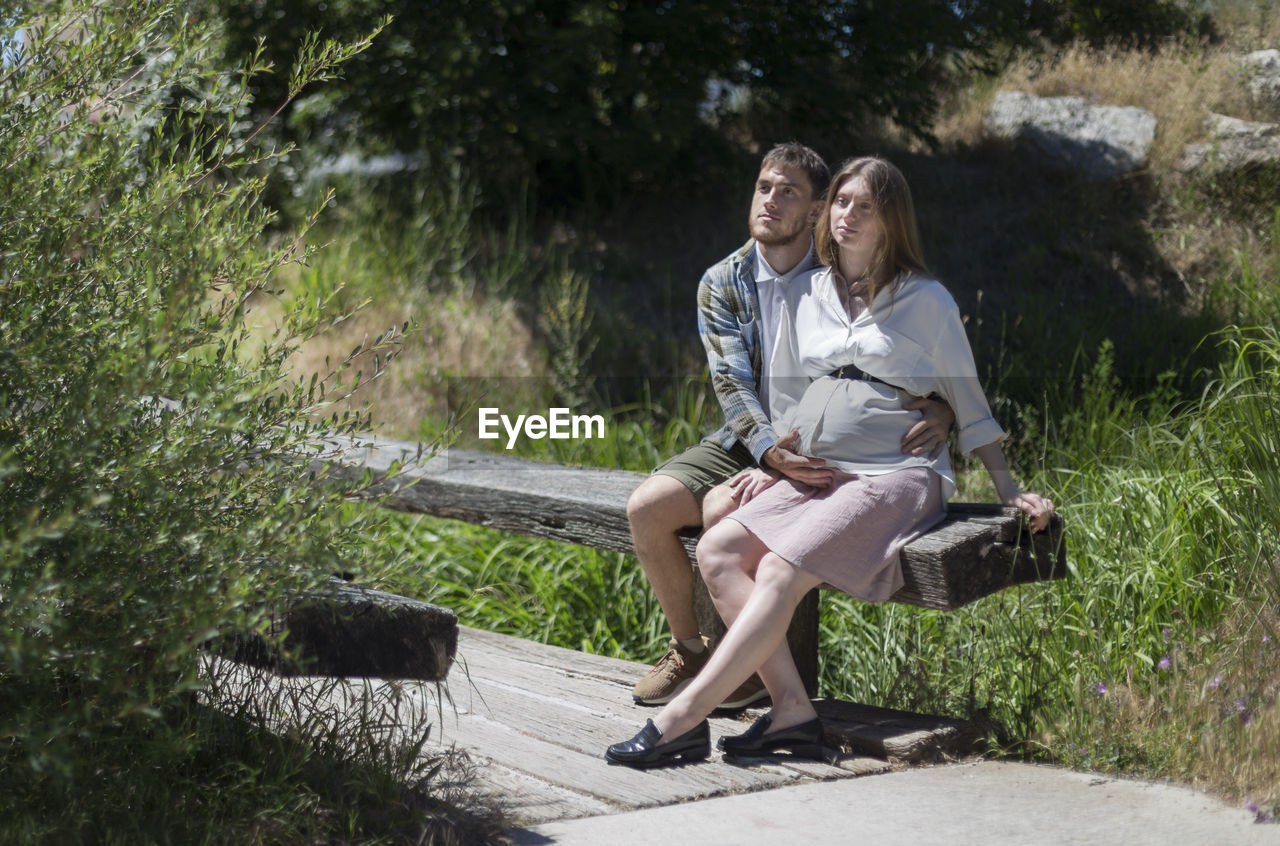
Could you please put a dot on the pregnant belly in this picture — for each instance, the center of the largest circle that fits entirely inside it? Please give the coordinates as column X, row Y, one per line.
column 858, row 421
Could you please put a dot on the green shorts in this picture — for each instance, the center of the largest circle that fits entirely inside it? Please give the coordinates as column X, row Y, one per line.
column 704, row 465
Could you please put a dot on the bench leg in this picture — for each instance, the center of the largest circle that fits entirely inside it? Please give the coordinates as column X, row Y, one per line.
column 802, row 635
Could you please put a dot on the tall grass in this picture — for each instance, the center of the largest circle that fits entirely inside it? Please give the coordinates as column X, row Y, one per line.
column 1194, row 589
column 422, row 259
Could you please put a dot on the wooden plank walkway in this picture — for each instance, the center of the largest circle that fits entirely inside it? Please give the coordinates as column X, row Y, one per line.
column 537, row 719
column 534, row 720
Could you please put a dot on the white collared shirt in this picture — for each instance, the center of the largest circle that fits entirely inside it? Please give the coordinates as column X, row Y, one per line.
column 912, row 338
column 771, row 290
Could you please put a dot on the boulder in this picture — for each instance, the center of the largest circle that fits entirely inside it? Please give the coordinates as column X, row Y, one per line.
column 1233, row 145
column 1099, row 141
column 1262, row 72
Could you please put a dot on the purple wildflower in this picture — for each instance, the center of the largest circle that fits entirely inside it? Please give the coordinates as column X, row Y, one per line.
column 1099, row 689
column 1164, row 663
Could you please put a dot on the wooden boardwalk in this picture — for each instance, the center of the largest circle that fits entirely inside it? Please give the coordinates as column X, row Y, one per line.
column 536, row 719
column 532, row 722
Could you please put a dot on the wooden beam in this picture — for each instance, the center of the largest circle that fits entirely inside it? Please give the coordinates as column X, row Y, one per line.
column 977, row 550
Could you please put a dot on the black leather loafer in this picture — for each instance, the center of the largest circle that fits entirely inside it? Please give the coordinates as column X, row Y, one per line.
column 803, row 740
column 644, row 750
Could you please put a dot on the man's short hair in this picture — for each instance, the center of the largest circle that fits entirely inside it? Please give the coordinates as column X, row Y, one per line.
column 792, row 154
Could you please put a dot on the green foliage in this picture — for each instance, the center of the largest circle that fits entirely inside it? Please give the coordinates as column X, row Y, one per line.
column 566, row 319
column 877, row 60
column 584, row 101
column 1199, row 542
column 576, row 93
column 1130, row 22
column 343, row 762
column 156, row 462
column 557, row 593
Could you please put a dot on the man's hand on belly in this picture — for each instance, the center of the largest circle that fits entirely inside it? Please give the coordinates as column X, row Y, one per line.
column 929, row 434
column 783, row 458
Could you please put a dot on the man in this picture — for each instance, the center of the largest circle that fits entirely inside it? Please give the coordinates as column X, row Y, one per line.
column 739, row 300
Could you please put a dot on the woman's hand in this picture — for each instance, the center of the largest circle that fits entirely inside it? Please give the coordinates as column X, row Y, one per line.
column 1038, row 508
column 749, row 484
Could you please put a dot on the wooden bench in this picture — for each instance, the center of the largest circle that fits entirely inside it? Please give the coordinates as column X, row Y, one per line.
column 978, row 550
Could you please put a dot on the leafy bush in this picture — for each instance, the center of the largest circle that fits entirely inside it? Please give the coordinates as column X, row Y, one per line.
column 155, row 491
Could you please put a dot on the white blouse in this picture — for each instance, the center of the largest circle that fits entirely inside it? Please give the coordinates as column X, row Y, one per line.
column 912, row 338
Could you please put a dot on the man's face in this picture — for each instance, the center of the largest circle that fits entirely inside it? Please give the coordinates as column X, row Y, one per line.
column 782, row 207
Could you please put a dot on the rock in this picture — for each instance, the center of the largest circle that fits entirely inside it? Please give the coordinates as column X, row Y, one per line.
column 1262, row 69
column 1233, row 145
column 349, row 630
column 1100, row 141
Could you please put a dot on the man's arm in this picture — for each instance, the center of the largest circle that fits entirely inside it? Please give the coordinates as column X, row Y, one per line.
column 783, row 458
column 929, row 434
column 733, row 380
column 729, row 359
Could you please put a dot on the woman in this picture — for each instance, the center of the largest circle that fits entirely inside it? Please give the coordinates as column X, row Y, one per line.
column 869, row 329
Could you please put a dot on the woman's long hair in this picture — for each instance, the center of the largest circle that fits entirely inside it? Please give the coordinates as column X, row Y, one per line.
column 898, row 252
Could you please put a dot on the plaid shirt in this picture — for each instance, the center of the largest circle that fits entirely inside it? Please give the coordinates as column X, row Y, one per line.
column 729, row 324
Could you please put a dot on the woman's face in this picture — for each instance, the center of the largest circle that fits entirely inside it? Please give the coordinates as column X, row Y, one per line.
column 855, row 226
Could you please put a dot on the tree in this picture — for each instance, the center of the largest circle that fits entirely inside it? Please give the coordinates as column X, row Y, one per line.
column 585, row 99
column 1137, row 23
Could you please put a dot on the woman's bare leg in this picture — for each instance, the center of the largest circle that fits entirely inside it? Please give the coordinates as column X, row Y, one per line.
column 751, row 642
column 728, row 557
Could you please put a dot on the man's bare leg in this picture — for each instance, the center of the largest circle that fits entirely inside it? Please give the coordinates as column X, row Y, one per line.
column 716, row 505
column 659, row 508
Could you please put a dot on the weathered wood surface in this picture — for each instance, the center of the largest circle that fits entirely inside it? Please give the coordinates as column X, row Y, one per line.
column 534, row 721
column 899, row 736
column 977, row 550
column 527, row 711
column 571, row 706
column 350, row 630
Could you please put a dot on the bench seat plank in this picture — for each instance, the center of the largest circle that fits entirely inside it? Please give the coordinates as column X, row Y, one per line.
column 977, row 550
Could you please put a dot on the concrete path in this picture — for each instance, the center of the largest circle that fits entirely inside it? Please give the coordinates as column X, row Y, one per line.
column 986, row 803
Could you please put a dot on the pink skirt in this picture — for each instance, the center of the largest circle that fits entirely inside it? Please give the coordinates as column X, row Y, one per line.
column 850, row 534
